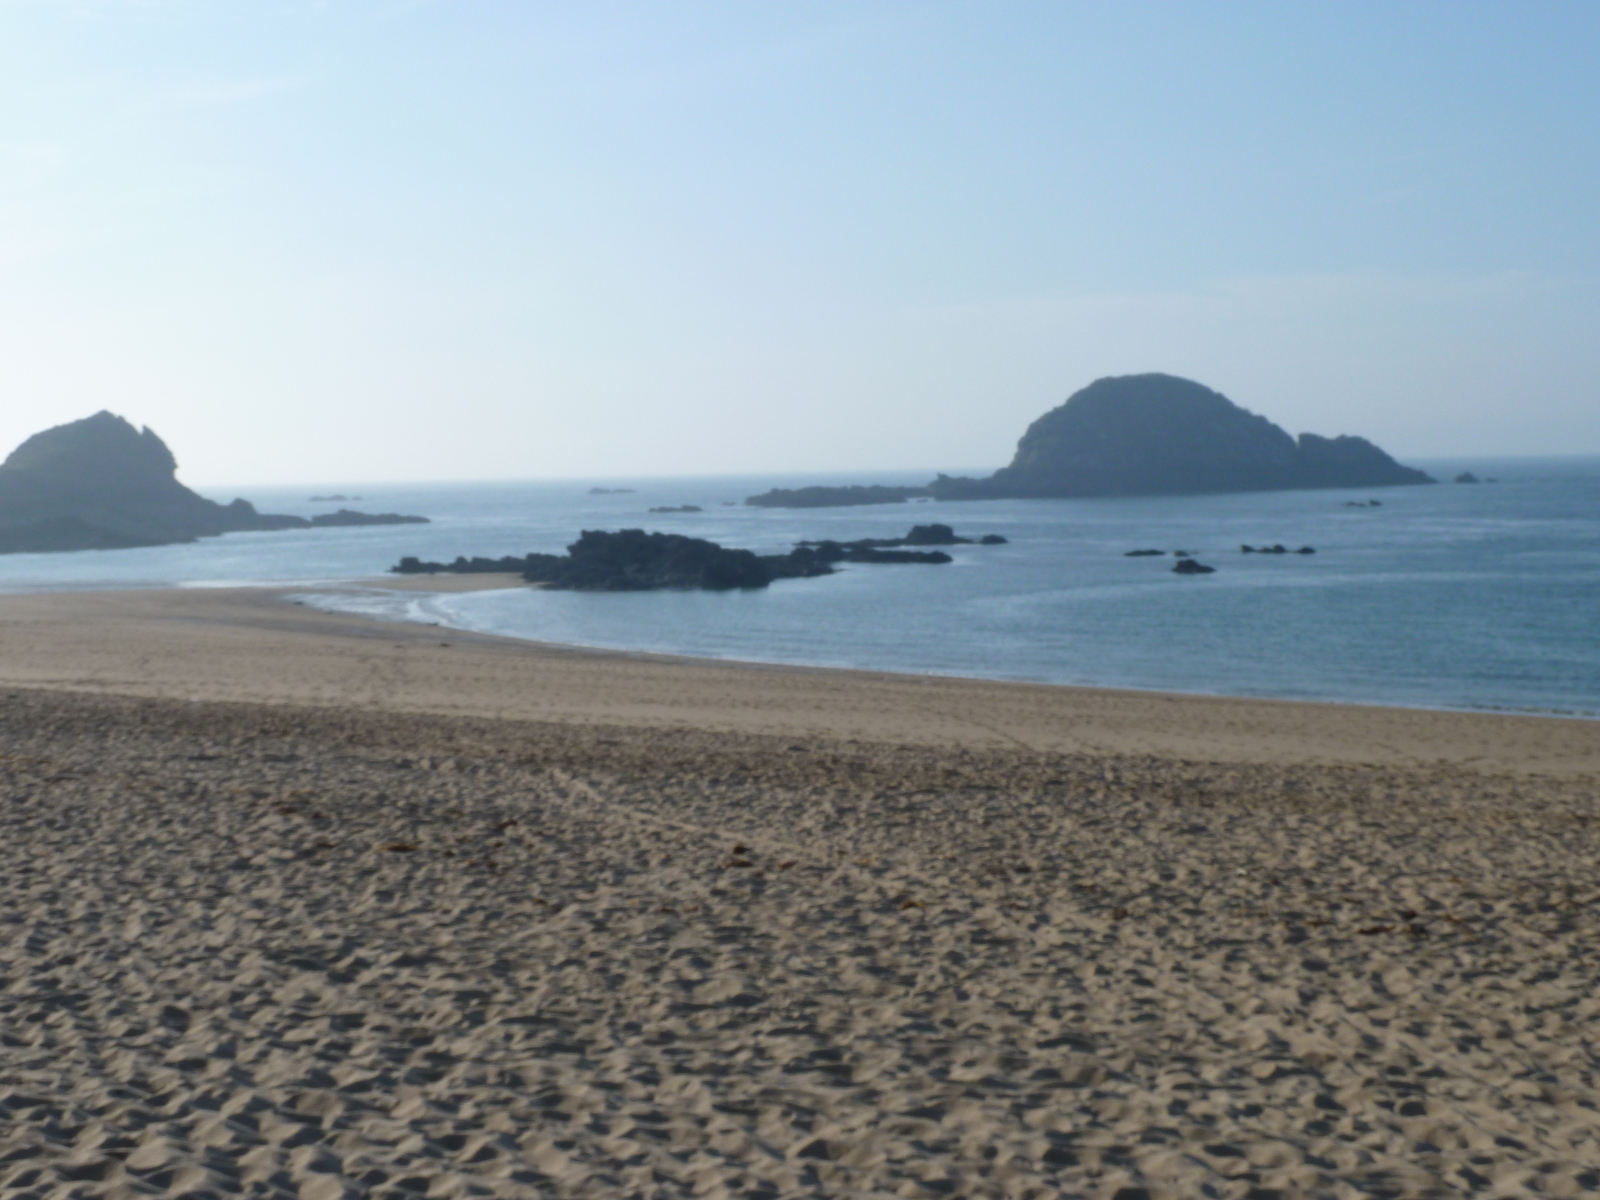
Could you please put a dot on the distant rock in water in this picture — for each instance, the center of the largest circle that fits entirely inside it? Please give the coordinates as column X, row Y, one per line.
column 885, row 550
column 834, row 497
column 1143, row 553
column 101, row 484
column 605, row 491
column 682, row 508
column 1467, row 477
column 1191, row 566
column 347, row 516
column 1142, row 435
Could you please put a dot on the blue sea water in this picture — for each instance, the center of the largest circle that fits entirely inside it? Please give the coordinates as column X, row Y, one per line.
column 1452, row 596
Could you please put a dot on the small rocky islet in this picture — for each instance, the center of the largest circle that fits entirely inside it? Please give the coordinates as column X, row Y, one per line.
column 631, row 560
column 1188, row 565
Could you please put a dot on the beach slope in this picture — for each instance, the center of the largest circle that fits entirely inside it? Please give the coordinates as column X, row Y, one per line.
column 301, row 904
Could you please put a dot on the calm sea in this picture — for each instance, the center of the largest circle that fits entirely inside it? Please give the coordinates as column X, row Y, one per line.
column 1454, row 596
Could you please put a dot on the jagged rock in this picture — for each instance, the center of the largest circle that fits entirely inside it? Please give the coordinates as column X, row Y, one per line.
column 1157, row 434
column 1467, row 477
column 1192, row 566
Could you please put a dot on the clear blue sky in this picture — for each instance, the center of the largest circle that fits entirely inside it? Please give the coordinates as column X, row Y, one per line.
column 367, row 240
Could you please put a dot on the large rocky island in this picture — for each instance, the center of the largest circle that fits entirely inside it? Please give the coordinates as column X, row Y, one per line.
column 1144, row 435
column 101, row 484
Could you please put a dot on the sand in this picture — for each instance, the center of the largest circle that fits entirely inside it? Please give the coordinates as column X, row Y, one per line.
column 302, row 904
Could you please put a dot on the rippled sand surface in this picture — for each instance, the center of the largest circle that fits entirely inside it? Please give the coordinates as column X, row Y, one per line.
column 343, row 950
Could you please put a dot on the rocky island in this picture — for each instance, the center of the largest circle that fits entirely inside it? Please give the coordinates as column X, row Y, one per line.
column 631, row 560
column 1149, row 435
column 101, row 484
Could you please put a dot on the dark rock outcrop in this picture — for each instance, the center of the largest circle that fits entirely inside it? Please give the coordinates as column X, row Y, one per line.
column 632, row 560
column 1143, row 553
column 681, row 508
column 1192, row 566
column 834, row 497
column 869, row 550
column 346, row 516
column 1467, row 477
column 1136, row 435
column 101, row 484
column 509, row 565
column 884, row 550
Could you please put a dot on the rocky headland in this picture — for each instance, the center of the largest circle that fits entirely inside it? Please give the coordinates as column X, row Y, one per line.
column 101, row 484
column 1147, row 435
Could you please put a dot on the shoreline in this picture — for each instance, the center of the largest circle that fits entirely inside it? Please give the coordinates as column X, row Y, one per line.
column 171, row 642
column 504, row 582
column 444, row 584
column 305, row 903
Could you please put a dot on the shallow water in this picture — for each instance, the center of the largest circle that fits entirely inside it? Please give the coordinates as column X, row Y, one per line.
column 1451, row 596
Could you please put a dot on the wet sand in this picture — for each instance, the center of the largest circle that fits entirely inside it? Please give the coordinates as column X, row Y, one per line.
column 304, row 904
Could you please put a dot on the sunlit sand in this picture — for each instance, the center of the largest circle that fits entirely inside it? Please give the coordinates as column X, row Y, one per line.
column 301, row 903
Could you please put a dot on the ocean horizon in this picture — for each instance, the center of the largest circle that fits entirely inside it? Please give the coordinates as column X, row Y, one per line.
column 1454, row 596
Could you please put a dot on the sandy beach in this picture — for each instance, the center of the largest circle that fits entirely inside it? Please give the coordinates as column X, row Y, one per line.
column 300, row 904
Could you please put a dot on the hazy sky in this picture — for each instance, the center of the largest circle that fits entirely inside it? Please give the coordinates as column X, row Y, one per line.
column 363, row 239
